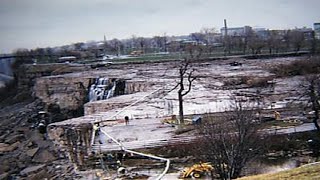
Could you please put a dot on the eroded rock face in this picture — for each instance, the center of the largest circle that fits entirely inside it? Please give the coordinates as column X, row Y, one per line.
column 28, row 73
column 136, row 86
column 73, row 140
column 68, row 93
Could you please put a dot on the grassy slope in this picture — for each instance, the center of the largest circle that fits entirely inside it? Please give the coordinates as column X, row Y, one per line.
column 306, row 172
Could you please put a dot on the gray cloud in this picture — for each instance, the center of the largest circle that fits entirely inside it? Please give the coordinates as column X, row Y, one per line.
column 33, row 23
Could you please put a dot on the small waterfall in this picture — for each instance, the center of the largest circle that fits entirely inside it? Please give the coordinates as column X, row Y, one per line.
column 111, row 91
column 103, row 88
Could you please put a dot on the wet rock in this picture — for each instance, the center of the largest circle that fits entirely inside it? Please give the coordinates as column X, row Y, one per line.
column 31, row 170
column 43, row 156
column 30, row 144
column 4, row 176
column 23, row 159
column 21, row 164
column 5, row 167
column 3, row 137
column 14, row 138
column 8, row 148
column 43, row 174
column 3, row 146
column 32, row 152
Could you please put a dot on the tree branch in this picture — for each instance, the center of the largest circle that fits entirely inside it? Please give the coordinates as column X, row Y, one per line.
column 190, row 80
column 175, row 87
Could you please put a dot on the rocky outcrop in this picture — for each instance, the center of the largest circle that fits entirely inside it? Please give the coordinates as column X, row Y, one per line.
column 31, row 170
column 74, row 141
column 108, row 105
column 24, row 152
column 71, row 91
column 137, row 86
column 28, row 73
column 67, row 92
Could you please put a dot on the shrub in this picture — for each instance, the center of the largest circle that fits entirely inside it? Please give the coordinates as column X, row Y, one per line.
column 299, row 67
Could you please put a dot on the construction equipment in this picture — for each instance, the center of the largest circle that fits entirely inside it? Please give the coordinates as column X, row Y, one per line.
column 197, row 170
column 170, row 120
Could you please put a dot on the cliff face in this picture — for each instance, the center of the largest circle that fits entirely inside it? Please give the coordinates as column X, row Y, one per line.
column 71, row 91
column 28, row 73
column 5, row 66
column 67, row 92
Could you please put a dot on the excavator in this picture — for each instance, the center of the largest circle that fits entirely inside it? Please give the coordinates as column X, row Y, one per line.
column 197, row 170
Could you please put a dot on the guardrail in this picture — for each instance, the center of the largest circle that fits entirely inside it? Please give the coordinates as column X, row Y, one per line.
column 120, row 145
column 141, row 154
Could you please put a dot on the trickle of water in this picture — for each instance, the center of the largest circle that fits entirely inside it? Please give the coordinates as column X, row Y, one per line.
column 102, row 89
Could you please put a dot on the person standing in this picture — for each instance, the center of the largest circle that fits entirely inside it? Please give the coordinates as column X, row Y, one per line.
column 126, row 118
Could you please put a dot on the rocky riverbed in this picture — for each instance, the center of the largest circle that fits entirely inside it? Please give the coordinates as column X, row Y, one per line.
column 26, row 153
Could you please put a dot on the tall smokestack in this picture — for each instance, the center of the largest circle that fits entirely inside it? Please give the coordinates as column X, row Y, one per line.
column 225, row 28
column 104, row 44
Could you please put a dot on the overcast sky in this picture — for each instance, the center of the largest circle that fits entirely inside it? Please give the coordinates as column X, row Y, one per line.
column 44, row 23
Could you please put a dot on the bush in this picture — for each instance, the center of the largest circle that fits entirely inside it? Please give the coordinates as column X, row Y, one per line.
column 256, row 81
column 299, row 67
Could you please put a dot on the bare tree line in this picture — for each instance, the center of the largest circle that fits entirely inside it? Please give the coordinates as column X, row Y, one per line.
column 208, row 40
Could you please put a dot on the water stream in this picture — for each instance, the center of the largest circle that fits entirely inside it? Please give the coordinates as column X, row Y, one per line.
column 105, row 88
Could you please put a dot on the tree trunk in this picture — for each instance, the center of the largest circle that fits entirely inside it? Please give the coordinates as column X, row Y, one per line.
column 270, row 50
column 316, row 113
column 181, row 118
column 315, row 104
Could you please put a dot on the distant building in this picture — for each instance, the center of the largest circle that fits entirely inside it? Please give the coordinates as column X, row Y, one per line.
column 236, row 31
column 67, row 59
column 263, row 33
column 316, row 27
column 307, row 32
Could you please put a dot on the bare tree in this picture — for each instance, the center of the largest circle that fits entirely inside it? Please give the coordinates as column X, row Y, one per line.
column 296, row 39
column 142, row 43
column 209, row 38
column 185, row 72
column 255, row 43
column 115, row 46
column 273, row 41
column 198, row 37
column 175, row 46
column 209, row 34
column 194, row 51
column 310, row 88
column 230, row 141
column 313, row 92
column 161, row 42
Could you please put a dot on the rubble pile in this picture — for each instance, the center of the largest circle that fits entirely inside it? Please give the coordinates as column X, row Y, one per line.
column 24, row 152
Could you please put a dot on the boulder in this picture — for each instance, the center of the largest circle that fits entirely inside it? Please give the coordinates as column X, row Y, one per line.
column 43, row 156
column 4, row 176
column 7, row 148
column 32, row 170
column 14, row 138
column 32, row 152
column 3, row 146
column 43, row 174
column 5, row 167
